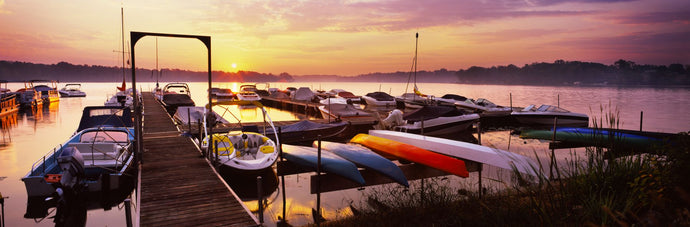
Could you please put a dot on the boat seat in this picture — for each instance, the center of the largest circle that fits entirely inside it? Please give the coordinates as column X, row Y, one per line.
column 97, row 151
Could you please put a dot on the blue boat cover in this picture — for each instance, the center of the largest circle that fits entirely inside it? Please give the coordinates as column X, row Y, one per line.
column 105, row 116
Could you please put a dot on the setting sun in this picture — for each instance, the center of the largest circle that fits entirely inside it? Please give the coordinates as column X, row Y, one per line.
column 233, row 65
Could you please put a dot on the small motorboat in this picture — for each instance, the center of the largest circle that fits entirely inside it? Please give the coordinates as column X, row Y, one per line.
column 340, row 93
column 248, row 93
column 194, row 115
column 47, row 89
column 545, row 115
column 431, row 120
column 379, row 99
column 306, row 131
column 414, row 101
column 98, row 156
column 245, row 149
column 72, row 90
column 339, row 108
column 123, row 98
column 303, row 94
column 176, row 95
column 222, row 94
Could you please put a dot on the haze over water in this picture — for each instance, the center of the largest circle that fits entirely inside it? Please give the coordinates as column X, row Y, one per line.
column 665, row 110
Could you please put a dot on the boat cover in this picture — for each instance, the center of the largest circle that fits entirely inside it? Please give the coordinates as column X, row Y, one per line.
column 303, row 94
column 431, row 112
column 454, row 97
column 307, row 125
column 381, row 96
column 279, row 95
column 101, row 116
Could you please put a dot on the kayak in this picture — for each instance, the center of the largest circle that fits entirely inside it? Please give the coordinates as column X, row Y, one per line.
column 330, row 163
column 365, row 157
column 413, row 154
column 469, row 151
column 593, row 137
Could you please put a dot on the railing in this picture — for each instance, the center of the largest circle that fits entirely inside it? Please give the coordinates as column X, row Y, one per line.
column 51, row 156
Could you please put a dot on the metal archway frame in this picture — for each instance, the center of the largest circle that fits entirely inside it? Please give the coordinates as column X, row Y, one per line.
column 134, row 38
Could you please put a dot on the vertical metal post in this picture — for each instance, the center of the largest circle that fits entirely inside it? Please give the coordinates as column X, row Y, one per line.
column 128, row 212
column 479, row 132
column 553, row 153
column 260, row 196
column 189, row 120
column 511, row 101
column 318, row 182
column 641, row 114
column 215, row 151
column 481, row 188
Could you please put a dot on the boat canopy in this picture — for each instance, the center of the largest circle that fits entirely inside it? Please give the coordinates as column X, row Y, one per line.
column 454, row 97
column 381, row 96
column 105, row 116
column 431, row 112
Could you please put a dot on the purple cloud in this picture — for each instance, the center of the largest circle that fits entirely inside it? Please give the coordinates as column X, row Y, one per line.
column 654, row 18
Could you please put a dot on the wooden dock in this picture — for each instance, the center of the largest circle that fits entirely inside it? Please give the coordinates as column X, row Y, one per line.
column 178, row 187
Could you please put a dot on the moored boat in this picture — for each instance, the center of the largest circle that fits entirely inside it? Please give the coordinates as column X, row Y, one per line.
column 47, row 89
column 306, row 131
column 72, row 90
column 338, row 108
column 379, row 99
column 246, row 149
column 434, row 120
column 546, row 114
column 175, row 95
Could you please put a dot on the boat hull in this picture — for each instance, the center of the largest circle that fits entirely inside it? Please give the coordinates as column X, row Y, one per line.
column 440, row 125
column 331, row 163
column 365, row 157
column 413, row 154
column 468, row 151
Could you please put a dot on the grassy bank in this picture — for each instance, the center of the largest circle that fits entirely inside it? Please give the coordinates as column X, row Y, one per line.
column 648, row 189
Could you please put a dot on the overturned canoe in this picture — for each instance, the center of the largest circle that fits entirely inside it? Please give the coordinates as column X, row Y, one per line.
column 331, row 163
column 473, row 152
column 413, row 154
column 365, row 157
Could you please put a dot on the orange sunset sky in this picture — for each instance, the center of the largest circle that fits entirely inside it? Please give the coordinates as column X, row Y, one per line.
column 348, row 37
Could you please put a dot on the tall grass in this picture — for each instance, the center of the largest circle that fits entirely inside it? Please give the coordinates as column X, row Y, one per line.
column 643, row 189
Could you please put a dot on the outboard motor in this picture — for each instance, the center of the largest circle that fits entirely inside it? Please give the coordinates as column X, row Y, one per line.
column 72, row 164
column 395, row 118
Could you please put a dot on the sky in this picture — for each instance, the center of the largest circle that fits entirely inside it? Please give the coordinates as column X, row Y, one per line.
column 347, row 37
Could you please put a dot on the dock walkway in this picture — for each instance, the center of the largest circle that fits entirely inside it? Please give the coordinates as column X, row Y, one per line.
column 178, row 186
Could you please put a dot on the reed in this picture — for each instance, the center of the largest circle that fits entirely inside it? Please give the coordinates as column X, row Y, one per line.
column 637, row 189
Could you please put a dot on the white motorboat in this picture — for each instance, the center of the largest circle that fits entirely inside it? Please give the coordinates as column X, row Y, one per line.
column 244, row 150
column 72, row 90
column 248, row 93
column 379, row 99
column 431, row 120
column 545, row 115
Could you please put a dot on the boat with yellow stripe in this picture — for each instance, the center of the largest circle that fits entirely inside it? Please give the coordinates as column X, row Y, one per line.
column 246, row 149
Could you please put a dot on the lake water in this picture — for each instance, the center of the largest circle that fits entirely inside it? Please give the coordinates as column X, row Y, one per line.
column 27, row 136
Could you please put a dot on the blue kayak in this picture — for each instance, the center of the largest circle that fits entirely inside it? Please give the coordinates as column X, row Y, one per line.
column 330, row 163
column 365, row 157
column 593, row 136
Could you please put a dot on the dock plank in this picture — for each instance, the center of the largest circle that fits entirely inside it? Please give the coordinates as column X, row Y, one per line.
column 178, row 186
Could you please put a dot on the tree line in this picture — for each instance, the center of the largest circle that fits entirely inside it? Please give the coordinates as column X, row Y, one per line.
column 560, row 72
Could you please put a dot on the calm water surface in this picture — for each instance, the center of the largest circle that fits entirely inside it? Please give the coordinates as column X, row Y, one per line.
column 26, row 137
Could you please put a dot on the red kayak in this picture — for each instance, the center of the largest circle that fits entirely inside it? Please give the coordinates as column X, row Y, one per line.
column 413, row 154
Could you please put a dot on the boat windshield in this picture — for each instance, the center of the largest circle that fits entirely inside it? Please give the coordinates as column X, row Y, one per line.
column 549, row 108
column 104, row 136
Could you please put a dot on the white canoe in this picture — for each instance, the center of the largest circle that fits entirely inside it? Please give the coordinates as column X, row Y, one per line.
column 458, row 149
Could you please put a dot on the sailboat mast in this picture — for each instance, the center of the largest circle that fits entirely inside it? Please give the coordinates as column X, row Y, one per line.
column 122, row 23
column 416, row 41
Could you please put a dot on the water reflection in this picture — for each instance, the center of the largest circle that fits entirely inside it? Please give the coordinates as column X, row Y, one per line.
column 71, row 209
